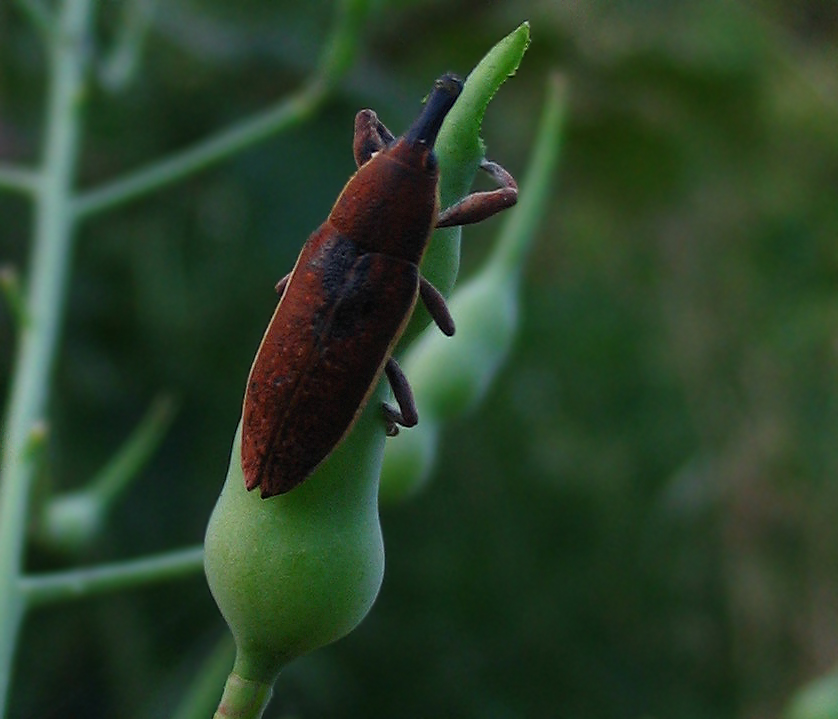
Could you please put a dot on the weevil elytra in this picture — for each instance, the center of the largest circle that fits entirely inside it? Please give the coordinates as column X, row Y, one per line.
column 346, row 302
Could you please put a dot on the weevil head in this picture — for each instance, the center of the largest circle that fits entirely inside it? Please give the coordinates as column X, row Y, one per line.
column 390, row 205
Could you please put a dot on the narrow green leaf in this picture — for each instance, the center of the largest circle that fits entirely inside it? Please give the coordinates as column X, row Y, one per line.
column 460, row 150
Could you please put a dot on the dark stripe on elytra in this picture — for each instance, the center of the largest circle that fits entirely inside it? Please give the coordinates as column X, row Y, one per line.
column 335, row 265
column 356, row 302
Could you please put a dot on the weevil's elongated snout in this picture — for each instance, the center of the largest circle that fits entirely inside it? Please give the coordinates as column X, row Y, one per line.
column 446, row 90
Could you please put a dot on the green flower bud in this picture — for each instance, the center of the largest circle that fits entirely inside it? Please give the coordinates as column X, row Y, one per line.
column 300, row 570
column 73, row 521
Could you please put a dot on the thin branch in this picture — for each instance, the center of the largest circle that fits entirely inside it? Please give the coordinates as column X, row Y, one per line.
column 137, row 450
column 121, row 64
column 19, row 179
column 80, row 583
column 201, row 696
column 287, row 113
column 74, row 519
column 334, row 62
column 45, row 300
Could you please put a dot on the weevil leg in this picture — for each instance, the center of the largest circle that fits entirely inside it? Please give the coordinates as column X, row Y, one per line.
column 371, row 135
column 479, row 205
column 437, row 308
column 406, row 415
column 280, row 286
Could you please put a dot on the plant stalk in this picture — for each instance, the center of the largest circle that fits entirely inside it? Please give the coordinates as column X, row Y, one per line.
column 335, row 61
column 49, row 270
column 117, row 576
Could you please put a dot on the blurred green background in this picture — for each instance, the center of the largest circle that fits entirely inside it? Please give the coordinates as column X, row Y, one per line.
column 641, row 520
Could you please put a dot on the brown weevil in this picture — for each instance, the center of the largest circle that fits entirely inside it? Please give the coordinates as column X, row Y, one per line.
column 346, row 302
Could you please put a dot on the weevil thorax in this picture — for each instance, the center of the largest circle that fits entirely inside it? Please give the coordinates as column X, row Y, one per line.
column 391, row 203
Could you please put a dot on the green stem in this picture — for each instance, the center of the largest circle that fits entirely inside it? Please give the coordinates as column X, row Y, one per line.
column 45, row 301
column 201, row 697
column 120, row 66
column 79, row 583
column 73, row 520
column 339, row 52
column 290, row 111
column 285, row 114
column 243, row 698
column 138, row 449
column 18, row 179
column 487, row 312
column 517, row 231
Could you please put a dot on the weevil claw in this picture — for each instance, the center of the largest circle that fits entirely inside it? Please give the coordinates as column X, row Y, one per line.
column 392, row 419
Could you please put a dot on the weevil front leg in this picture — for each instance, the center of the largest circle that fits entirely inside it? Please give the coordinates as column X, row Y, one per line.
column 371, row 135
column 406, row 415
column 479, row 205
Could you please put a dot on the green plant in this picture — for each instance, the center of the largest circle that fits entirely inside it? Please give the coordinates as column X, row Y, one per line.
column 75, row 519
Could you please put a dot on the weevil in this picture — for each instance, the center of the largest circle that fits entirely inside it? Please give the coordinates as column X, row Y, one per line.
column 346, row 302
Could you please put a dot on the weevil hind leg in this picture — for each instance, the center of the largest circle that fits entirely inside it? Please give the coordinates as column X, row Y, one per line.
column 371, row 135
column 435, row 303
column 406, row 414
column 479, row 205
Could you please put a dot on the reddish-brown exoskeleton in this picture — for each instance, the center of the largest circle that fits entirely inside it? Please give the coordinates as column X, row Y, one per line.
column 347, row 300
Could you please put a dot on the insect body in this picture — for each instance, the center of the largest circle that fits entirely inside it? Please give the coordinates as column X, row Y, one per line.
column 347, row 300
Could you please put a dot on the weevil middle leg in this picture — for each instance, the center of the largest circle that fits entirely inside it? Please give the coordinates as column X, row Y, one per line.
column 406, row 415
column 435, row 303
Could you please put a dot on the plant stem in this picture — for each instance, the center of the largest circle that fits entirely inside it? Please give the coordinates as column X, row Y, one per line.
column 49, row 271
column 243, row 698
column 73, row 520
column 517, row 231
column 183, row 164
column 18, row 179
column 201, row 696
column 334, row 62
column 138, row 449
column 78, row 583
column 120, row 66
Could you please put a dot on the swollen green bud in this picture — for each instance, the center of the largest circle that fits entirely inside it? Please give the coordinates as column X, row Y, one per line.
column 301, row 570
